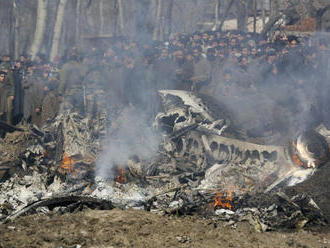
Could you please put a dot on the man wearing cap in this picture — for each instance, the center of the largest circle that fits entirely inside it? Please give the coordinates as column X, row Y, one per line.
column 9, row 91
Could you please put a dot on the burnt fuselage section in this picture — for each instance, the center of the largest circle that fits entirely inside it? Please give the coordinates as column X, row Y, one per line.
column 197, row 134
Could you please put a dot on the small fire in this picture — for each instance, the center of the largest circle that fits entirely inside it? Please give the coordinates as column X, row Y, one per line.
column 224, row 201
column 67, row 164
column 120, row 178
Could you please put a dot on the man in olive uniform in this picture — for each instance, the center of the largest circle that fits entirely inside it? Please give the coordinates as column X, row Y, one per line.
column 3, row 100
column 50, row 101
column 9, row 89
column 71, row 84
column 202, row 71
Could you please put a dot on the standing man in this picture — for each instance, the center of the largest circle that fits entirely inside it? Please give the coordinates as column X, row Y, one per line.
column 71, row 84
column 18, row 110
column 9, row 89
column 201, row 71
column 3, row 102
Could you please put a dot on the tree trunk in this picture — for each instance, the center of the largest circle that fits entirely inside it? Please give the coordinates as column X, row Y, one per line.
column 169, row 18
column 254, row 16
column 216, row 13
column 78, row 23
column 16, row 31
column 161, row 21
column 242, row 15
column 57, row 29
column 157, row 28
column 274, row 7
column 224, row 17
column 101, row 30
column 40, row 27
column 120, row 16
column 11, row 9
column 263, row 13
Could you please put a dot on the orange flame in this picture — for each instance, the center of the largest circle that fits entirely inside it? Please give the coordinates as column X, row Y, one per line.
column 224, row 201
column 121, row 178
column 67, row 164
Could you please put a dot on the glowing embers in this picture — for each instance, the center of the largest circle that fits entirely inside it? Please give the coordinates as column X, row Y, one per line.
column 224, row 200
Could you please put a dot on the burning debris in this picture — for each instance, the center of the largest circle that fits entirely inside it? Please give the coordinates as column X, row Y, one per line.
column 203, row 165
column 222, row 201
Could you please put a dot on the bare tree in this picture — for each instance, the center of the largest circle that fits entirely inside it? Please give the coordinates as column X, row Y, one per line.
column 120, row 16
column 263, row 13
column 169, row 18
column 255, row 16
column 157, row 27
column 77, row 38
column 40, row 27
column 57, row 29
column 101, row 6
column 242, row 14
column 224, row 17
column 217, row 13
column 13, row 23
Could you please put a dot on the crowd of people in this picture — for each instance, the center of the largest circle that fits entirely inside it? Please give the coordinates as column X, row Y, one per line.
column 94, row 79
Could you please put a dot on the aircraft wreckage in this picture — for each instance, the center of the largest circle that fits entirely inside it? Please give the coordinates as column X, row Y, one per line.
column 194, row 132
column 203, row 159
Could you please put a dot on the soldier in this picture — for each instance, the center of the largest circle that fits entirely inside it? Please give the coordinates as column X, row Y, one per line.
column 95, row 82
column 3, row 103
column 202, row 70
column 71, row 84
column 164, row 70
column 50, row 102
column 9, row 88
column 37, row 95
column 18, row 100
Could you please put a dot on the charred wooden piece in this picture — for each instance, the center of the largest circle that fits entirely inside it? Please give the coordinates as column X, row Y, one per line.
column 9, row 128
column 66, row 200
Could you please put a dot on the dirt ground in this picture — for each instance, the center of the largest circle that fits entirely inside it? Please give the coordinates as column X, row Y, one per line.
column 132, row 228
column 318, row 188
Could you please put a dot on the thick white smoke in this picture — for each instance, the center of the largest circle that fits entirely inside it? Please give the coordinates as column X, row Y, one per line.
column 130, row 135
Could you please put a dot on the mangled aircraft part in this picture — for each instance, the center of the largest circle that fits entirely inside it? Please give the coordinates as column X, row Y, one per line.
column 235, row 163
column 184, row 109
column 310, row 149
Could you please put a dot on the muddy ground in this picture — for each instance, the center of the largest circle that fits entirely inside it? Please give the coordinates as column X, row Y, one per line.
column 129, row 228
